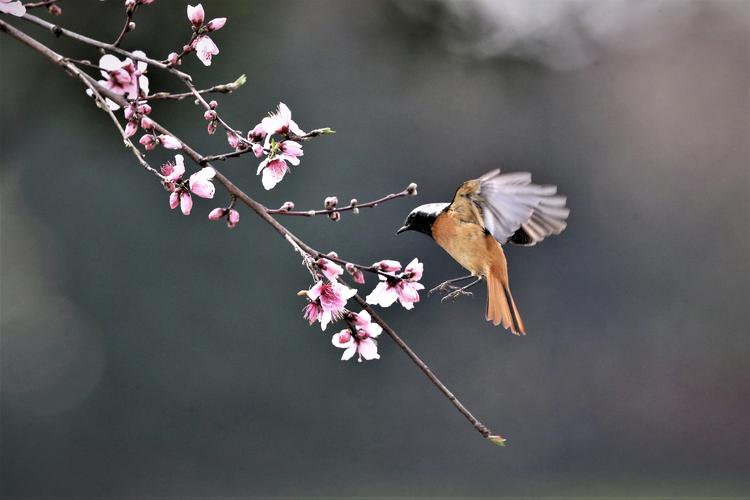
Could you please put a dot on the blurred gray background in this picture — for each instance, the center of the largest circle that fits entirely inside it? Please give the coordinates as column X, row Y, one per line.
column 149, row 354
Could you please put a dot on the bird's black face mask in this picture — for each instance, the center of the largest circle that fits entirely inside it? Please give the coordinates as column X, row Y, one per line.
column 420, row 222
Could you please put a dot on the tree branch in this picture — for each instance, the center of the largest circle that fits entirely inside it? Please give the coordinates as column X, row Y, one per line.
column 261, row 211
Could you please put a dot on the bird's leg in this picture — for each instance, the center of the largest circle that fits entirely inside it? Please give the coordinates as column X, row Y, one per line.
column 446, row 285
column 461, row 291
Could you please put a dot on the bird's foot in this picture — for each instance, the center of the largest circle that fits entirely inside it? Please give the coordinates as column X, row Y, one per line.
column 445, row 286
column 459, row 292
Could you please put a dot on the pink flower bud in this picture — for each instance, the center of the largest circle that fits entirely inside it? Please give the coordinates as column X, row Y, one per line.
column 209, row 115
column 174, row 199
column 186, row 202
column 129, row 4
column 211, row 129
column 232, row 139
column 213, row 104
column 55, row 9
column 147, row 123
column 330, row 202
column 170, row 142
column 288, row 205
column 196, row 15
column 258, row 150
column 217, row 213
column 388, row 266
column 173, row 58
column 144, row 109
column 233, row 219
column 356, row 273
column 129, row 111
column 216, row 24
column 131, row 128
column 148, row 142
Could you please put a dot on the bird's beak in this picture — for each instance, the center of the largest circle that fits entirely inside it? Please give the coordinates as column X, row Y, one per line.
column 402, row 229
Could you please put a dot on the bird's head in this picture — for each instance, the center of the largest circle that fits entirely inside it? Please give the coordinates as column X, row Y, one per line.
column 421, row 218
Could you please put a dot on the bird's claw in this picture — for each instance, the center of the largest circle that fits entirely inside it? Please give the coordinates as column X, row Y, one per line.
column 456, row 294
column 442, row 287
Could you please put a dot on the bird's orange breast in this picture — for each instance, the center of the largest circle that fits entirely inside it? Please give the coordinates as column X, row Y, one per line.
column 466, row 242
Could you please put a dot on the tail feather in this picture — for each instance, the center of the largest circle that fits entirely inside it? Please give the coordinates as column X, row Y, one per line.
column 500, row 306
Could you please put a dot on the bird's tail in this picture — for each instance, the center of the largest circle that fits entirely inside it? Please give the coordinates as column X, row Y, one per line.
column 500, row 305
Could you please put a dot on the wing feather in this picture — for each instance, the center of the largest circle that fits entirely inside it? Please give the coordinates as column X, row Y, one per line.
column 513, row 209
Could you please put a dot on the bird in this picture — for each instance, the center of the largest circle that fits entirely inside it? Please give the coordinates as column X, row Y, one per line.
column 495, row 209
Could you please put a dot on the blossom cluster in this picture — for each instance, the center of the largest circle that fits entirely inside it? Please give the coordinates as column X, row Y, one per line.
column 200, row 43
column 327, row 300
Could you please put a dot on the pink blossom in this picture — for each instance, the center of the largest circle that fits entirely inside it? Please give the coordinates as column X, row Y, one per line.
column 360, row 339
column 413, row 271
column 258, row 150
column 148, row 142
column 216, row 24
column 291, row 151
column 125, row 77
column 14, row 8
column 144, row 109
column 281, row 122
column 257, row 134
column 327, row 302
column 388, row 266
column 385, row 293
column 173, row 172
column 330, row 269
column 405, row 288
column 131, row 128
column 200, row 182
column 196, row 15
column 209, row 115
column 205, row 49
column 170, row 142
column 173, row 58
column 233, row 218
column 273, row 170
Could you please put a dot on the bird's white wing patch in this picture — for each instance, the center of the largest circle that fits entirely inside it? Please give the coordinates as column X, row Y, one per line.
column 510, row 202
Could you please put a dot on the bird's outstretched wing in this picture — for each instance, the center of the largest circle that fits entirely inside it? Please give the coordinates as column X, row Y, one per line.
column 513, row 209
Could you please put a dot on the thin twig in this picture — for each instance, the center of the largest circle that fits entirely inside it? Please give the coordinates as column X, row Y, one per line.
column 45, row 3
column 129, row 13
column 311, row 213
column 59, row 31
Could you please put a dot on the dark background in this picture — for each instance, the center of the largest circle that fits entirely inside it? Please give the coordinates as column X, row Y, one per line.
column 149, row 354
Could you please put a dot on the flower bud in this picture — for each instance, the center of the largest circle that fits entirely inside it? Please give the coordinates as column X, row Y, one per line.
column 335, row 216
column 54, row 9
column 196, row 15
column 144, row 109
column 147, row 123
column 411, row 189
column 211, row 129
column 170, row 142
column 288, row 205
column 213, row 104
column 217, row 213
column 330, row 202
column 233, row 219
column 209, row 115
column 216, row 24
column 131, row 128
column 148, row 142
column 173, row 58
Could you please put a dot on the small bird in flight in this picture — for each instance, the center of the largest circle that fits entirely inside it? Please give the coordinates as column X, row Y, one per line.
column 496, row 208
